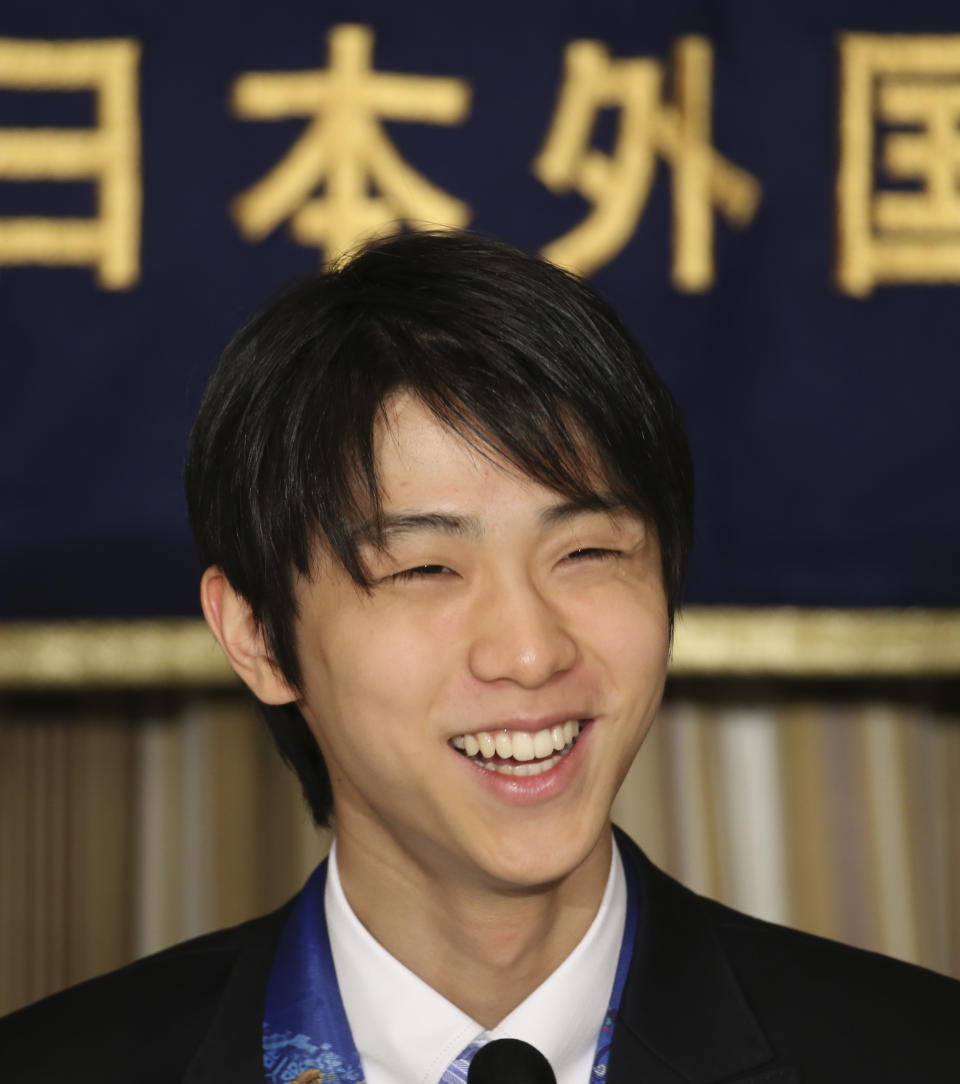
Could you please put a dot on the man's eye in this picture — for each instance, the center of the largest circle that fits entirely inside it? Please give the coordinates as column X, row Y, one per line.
column 421, row 572
column 591, row 553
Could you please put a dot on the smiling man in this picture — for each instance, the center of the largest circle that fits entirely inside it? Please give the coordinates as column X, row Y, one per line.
column 444, row 504
column 477, row 701
column 479, row 499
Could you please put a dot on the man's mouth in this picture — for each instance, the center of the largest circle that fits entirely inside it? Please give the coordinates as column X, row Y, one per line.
column 515, row 752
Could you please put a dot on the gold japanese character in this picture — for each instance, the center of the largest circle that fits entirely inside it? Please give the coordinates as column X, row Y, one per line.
column 107, row 154
column 899, row 117
column 618, row 184
column 345, row 148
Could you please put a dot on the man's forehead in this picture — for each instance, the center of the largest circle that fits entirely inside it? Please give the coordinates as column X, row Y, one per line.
column 407, row 419
column 434, row 469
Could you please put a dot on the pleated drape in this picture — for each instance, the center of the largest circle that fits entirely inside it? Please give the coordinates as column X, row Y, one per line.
column 130, row 822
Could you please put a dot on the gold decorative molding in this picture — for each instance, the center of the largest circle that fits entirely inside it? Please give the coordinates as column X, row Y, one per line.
column 710, row 642
column 178, row 652
column 793, row 642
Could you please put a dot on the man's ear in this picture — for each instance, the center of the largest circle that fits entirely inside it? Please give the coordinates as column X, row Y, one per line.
column 230, row 619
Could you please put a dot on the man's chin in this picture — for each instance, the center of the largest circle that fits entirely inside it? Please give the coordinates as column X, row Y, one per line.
column 544, row 860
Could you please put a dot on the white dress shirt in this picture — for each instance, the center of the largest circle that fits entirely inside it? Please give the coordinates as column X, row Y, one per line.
column 407, row 1033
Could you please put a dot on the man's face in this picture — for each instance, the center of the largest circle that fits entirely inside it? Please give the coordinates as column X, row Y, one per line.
column 498, row 609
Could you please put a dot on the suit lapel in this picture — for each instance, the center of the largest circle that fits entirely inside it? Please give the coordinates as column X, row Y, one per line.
column 231, row 1051
column 683, row 1017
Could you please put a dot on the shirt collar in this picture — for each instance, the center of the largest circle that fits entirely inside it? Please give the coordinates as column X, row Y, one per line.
column 406, row 1032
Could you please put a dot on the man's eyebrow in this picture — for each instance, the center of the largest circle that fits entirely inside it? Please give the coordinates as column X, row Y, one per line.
column 584, row 505
column 395, row 524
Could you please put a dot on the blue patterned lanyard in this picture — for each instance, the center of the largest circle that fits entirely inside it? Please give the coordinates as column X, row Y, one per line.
column 304, row 1025
column 305, row 1029
column 601, row 1060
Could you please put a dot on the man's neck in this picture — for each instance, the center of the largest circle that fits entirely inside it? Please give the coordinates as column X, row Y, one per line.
column 484, row 947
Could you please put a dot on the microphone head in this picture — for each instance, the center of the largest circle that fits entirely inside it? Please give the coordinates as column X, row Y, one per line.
column 509, row 1061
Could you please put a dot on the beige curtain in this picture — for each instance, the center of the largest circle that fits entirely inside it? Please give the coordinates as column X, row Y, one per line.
column 127, row 824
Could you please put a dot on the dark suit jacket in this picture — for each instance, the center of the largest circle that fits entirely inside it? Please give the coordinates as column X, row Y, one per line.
column 712, row 995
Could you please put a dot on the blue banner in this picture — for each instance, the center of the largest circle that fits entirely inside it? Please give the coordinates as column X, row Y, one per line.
column 769, row 194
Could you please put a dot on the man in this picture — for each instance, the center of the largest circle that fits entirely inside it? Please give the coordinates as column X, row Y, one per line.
column 444, row 504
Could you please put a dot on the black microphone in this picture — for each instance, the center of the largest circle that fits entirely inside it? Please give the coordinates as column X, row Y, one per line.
column 509, row 1061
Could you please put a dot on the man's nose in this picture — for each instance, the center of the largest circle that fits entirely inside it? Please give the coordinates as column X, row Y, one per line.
column 519, row 636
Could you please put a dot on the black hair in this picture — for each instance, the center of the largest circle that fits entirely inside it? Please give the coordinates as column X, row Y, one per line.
column 518, row 356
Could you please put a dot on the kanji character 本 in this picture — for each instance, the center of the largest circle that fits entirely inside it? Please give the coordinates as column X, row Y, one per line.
column 618, row 184
column 899, row 123
column 107, row 155
column 345, row 149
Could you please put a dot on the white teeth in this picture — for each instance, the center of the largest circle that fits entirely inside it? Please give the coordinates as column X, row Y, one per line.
column 522, row 746
column 534, row 767
column 533, row 751
column 543, row 744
